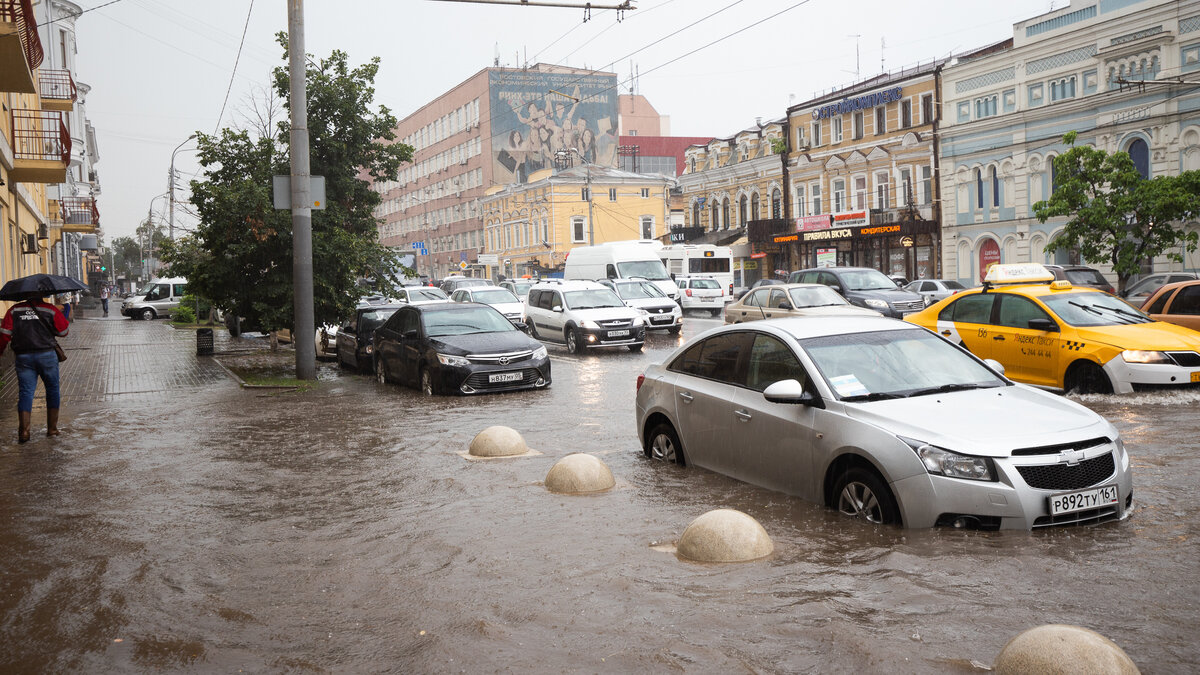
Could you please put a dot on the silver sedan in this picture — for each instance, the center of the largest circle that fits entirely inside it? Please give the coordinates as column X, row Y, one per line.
column 883, row 421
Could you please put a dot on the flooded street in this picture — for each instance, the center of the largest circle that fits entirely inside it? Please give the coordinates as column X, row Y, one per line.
column 343, row 530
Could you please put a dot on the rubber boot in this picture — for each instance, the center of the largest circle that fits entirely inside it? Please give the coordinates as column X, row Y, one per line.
column 51, row 421
column 25, row 419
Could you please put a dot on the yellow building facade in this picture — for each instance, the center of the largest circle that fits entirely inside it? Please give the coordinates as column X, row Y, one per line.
column 531, row 227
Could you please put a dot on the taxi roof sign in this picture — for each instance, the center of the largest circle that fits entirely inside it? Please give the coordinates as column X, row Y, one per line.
column 1018, row 273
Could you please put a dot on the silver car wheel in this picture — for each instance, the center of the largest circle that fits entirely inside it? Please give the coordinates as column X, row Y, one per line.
column 859, row 501
column 662, row 447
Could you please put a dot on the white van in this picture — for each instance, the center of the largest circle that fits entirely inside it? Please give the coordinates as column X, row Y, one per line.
column 634, row 259
column 705, row 260
column 157, row 298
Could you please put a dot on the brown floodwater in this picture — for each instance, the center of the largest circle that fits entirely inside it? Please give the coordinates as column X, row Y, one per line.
column 342, row 530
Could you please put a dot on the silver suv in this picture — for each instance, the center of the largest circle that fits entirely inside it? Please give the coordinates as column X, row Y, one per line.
column 582, row 315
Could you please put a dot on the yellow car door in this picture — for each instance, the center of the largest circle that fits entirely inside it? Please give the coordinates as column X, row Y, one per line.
column 967, row 322
column 1029, row 353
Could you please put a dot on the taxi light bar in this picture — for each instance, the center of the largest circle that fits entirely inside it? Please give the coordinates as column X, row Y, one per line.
column 1060, row 285
column 1018, row 273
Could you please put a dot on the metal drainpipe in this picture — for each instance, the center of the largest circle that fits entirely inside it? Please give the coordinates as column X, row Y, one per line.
column 937, row 172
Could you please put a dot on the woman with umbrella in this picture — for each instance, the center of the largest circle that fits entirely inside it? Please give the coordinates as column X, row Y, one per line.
column 32, row 327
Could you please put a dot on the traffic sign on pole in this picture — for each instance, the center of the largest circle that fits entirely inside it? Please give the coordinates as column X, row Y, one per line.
column 424, row 251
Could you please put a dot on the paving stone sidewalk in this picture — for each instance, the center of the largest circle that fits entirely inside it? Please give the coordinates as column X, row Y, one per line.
column 116, row 359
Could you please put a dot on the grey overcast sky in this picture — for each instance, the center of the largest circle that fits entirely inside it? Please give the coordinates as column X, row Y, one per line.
column 159, row 69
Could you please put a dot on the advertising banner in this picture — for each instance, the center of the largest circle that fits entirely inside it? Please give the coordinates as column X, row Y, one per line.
column 536, row 114
column 850, row 218
column 809, row 223
column 826, row 257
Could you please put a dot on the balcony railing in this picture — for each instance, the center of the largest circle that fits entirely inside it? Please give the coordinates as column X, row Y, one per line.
column 58, row 90
column 41, row 147
column 79, row 211
column 20, row 14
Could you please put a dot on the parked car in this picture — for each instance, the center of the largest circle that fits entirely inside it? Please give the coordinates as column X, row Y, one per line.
column 864, row 287
column 1177, row 303
column 158, row 298
column 355, row 344
column 633, row 259
column 792, row 300
column 739, row 292
column 416, row 295
column 451, row 284
column 882, row 421
column 702, row 292
column 1080, row 275
column 934, row 289
column 504, row 301
column 583, row 315
column 518, row 287
column 657, row 310
column 1140, row 291
column 450, row 348
column 1053, row 334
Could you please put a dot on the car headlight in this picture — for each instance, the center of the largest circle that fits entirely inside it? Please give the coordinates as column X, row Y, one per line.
column 637, row 321
column 1140, row 356
column 590, row 325
column 451, row 360
column 877, row 304
column 539, row 353
column 943, row 462
column 369, row 349
column 641, row 312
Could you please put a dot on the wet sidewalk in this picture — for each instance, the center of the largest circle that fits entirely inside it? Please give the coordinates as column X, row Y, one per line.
column 118, row 360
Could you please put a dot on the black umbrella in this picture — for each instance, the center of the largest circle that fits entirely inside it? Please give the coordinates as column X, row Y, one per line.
column 39, row 286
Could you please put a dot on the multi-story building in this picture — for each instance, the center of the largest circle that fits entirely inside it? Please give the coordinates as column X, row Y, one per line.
column 498, row 127
column 1124, row 74
column 861, row 177
column 729, row 183
column 531, row 227
column 35, row 143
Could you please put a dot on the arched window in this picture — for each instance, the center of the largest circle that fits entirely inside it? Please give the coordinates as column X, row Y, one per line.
column 742, row 210
column 695, row 214
column 692, row 162
column 716, row 216
column 1140, row 154
column 995, row 187
column 725, row 213
column 754, row 207
column 776, row 204
column 978, row 189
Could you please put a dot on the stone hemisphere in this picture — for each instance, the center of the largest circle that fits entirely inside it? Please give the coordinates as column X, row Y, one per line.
column 498, row 441
column 579, row 473
column 1060, row 649
column 724, row 535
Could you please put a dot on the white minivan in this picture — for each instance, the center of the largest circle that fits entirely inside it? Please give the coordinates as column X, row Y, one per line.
column 637, row 258
column 158, row 298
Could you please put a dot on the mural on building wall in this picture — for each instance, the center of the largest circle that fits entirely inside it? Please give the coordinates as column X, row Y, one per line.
column 535, row 115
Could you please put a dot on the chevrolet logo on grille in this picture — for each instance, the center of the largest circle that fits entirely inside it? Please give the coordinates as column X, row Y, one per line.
column 503, row 360
column 1071, row 457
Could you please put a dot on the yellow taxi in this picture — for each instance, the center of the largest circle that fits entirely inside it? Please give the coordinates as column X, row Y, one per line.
column 1058, row 336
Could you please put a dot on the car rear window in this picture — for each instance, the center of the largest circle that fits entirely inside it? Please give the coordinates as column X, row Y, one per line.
column 705, row 283
column 954, row 286
column 1086, row 277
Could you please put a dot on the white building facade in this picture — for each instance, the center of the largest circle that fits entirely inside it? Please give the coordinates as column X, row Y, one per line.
column 1124, row 74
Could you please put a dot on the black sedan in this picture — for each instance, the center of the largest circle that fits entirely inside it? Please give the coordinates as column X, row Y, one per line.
column 355, row 336
column 447, row 348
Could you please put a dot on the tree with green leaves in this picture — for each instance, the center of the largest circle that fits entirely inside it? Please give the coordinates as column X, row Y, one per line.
column 240, row 256
column 1116, row 215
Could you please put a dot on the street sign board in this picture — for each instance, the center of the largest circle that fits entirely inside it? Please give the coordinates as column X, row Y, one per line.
column 463, row 265
column 424, row 251
column 281, row 192
column 487, row 258
column 418, row 244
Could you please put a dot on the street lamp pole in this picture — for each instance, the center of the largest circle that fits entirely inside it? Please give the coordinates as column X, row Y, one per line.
column 171, row 189
column 591, row 212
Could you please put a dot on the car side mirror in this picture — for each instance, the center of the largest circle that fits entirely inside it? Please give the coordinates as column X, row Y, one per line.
column 1043, row 325
column 785, row 305
column 995, row 365
column 838, row 288
column 791, row 392
column 556, row 308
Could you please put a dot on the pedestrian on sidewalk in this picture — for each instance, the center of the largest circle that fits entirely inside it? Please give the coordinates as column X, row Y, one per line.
column 64, row 305
column 104, row 298
column 32, row 326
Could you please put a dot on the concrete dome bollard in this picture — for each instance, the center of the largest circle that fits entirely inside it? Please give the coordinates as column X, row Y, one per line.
column 1063, row 650
column 579, row 473
column 724, row 535
column 498, row 441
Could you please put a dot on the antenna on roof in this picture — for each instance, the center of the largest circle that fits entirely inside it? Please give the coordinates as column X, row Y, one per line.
column 882, row 47
column 496, row 60
column 857, row 60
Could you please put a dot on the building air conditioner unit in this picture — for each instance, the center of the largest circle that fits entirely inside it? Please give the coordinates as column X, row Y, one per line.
column 29, row 243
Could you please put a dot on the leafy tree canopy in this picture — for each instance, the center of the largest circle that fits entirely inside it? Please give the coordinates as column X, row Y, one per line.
column 240, row 256
column 1116, row 215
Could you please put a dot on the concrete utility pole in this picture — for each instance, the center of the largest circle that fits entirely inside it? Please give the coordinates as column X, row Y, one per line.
column 304, row 333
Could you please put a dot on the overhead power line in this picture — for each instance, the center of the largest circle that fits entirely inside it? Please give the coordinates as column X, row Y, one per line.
column 79, row 14
column 235, row 66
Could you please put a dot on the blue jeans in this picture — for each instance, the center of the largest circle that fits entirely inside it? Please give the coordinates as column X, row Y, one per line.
column 29, row 368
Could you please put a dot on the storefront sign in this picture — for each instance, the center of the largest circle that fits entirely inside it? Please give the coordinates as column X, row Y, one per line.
column 906, row 241
column 785, row 238
column 906, row 230
column 749, row 264
column 824, row 235
column 848, row 218
column 826, row 257
column 989, row 254
column 809, row 223
column 876, row 230
column 756, row 256
column 849, row 105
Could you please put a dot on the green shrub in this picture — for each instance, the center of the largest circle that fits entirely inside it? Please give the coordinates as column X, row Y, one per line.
column 199, row 306
column 183, row 314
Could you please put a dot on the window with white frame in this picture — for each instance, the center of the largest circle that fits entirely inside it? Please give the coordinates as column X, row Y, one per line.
column 986, row 106
column 926, row 185
column 839, row 195
column 647, row 227
column 1062, row 89
column 860, row 192
column 880, row 119
column 577, row 233
column 995, row 186
column 837, row 129
column 800, row 204
column 612, row 194
column 816, row 134
column 905, row 195
column 815, row 190
column 645, row 193
column 905, row 113
column 882, row 190
column 859, row 124
column 927, row 109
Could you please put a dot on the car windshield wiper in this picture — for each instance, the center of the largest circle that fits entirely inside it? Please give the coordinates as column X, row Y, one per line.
column 1138, row 318
column 944, row 388
column 874, row 396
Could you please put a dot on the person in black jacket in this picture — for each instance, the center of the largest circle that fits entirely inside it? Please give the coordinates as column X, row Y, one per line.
column 32, row 326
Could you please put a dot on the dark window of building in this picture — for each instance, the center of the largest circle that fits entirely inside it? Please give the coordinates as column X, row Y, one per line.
column 1140, row 154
